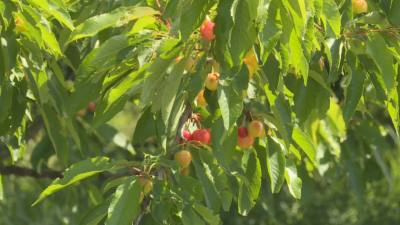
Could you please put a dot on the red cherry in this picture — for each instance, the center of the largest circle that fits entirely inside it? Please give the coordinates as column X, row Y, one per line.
column 246, row 142
column 187, row 135
column 206, row 30
column 201, row 135
column 92, row 106
column 242, row 132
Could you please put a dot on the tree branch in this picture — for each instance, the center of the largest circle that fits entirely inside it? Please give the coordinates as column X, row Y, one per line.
column 145, row 204
column 185, row 116
column 51, row 174
column 25, row 172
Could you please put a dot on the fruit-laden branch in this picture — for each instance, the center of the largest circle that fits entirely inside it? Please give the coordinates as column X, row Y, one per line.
column 184, row 118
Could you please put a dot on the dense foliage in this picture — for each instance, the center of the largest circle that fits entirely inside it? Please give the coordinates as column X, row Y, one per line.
column 199, row 111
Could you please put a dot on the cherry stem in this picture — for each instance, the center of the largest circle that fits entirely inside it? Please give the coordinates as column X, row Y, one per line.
column 244, row 120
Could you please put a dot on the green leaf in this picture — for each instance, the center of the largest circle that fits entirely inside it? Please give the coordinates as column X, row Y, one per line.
column 379, row 51
column 170, row 8
column 223, row 142
column 194, row 16
column 116, row 97
column 75, row 173
column 213, row 170
column 110, row 183
column 123, row 207
column 96, row 24
column 6, row 92
column 306, row 143
column 336, row 49
column 87, row 86
column 172, row 85
column 249, row 193
column 155, row 74
column 394, row 15
column 262, row 157
column 354, row 87
column 332, row 16
column 271, row 31
column 244, row 30
column 211, row 195
column 305, row 98
column 276, row 164
column 145, row 126
column 57, row 131
column 222, row 31
column 293, row 181
column 1, row 189
column 226, row 200
column 231, row 105
column 191, row 186
column 282, row 115
column 207, row 214
column 111, row 48
column 97, row 213
column 136, row 13
column 57, row 9
column 50, row 39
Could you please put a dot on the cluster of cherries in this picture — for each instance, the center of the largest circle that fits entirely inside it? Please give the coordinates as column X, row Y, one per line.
column 202, row 136
column 246, row 136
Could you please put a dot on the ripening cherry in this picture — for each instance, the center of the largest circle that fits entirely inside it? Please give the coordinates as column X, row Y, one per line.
column 183, row 158
column 18, row 25
column 201, row 101
column 206, row 29
column 201, row 135
column 212, row 81
column 187, row 135
column 246, row 142
column 255, row 128
column 81, row 113
column 360, row 6
column 178, row 59
column 69, row 84
column 147, row 185
column 191, row 65
column 141, row 197
column 321, row 64
column 92, row 106
column 242, row 132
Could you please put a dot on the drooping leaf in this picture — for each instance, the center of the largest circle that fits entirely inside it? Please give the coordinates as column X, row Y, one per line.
column 97, row 213
column 231, row 105
column 271, row 31
column 249, row 193
column 293, row 181
column 244, row 30
column 276, row 164
column 123, row 207
column 75, row 173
